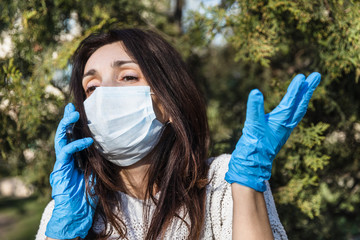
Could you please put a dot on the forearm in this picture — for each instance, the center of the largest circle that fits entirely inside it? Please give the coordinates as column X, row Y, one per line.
column 250, row 218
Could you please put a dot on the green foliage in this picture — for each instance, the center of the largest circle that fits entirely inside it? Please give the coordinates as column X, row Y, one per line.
column 28, row 114
column 302, row 159
column 316, row 179
column 35, row 74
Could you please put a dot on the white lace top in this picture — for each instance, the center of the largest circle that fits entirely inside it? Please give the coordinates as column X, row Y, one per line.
column 218, row 215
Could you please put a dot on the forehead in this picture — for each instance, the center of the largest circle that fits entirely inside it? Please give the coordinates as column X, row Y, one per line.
column 107, row 54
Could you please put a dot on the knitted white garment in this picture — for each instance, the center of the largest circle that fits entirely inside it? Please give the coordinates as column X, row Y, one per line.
column 218, row 215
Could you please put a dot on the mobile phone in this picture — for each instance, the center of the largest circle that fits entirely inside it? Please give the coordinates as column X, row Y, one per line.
column 70, row 138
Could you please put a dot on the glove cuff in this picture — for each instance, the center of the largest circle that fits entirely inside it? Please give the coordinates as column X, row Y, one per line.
column 68, row 227
column 246, row 180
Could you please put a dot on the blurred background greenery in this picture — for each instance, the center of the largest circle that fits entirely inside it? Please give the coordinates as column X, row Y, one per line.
column 231, row 47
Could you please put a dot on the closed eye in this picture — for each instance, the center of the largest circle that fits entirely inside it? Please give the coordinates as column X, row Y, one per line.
column 130, row 78
column 89, row 90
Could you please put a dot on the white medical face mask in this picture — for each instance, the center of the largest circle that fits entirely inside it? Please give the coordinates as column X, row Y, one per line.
column 123, row 123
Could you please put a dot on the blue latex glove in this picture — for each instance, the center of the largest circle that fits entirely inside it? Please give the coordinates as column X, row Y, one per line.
column 72, row 215
column 264, row 135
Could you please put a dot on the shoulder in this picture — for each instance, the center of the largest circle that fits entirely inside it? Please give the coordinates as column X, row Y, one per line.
column 218, row 166
column 44, row 220
column 218, row 213
column 217, row 186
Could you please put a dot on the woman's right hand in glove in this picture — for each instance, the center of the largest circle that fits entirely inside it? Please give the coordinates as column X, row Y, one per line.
column 72, row 215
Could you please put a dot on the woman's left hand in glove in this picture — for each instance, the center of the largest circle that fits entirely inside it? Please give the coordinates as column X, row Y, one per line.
column 264, row 135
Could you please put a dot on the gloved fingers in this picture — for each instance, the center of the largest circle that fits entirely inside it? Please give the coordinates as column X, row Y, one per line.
column 60, row 136
column 312, row 81
column 69, row 114
column 70, row 118
column 255, row 113
column 69, row 108
column 284, row 112
column 68, row 150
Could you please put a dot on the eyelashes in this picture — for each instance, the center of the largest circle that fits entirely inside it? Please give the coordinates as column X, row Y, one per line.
column 92, row 86
column 90, row 89
column 130, row 78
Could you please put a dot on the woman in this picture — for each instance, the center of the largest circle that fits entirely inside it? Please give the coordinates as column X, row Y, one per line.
column 147, row 175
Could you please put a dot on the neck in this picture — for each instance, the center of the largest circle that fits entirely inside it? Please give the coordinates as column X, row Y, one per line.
column 135, row 178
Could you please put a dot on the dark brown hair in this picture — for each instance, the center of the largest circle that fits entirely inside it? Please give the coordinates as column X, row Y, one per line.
column 179, row 168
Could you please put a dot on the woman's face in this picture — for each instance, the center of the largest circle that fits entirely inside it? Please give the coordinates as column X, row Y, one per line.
column 111, row 66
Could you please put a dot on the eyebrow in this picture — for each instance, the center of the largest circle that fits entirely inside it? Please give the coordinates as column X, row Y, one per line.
column 115, row 64
column 91, row 72
column 119, row 63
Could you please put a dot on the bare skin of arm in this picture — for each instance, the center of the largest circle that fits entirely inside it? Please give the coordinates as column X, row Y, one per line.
column 250, row 218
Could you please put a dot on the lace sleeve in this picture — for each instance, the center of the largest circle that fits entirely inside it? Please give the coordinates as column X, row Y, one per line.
column 276, row 226
column 220, row 204
column 44, row 220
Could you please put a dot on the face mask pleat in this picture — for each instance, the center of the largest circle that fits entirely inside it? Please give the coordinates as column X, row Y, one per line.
column 117, row 103
column 130, row 136
column 138, row 151
column 122, row 122
column 125, row 122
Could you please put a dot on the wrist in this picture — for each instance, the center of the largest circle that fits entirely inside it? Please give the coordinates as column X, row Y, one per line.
column 250, row 181
column 240, row 191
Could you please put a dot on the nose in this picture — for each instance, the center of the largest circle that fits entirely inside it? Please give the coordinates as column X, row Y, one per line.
column 107, row 80
column 107, row 84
